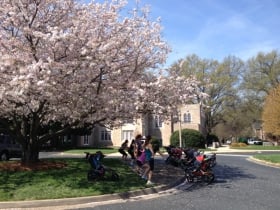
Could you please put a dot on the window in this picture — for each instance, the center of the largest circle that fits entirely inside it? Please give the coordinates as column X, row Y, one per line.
column 127, row 134
column 187, row 118
column 158, row 121
column 128, row 121
column 86, row 141
column 67, row 139
column 105, row 135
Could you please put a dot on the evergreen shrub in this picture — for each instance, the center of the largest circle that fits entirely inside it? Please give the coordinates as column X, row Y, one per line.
column 190, row 138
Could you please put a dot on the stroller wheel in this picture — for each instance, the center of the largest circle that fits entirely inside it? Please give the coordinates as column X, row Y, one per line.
column 115, row 176
column 92, row 175
column 209, row 178
column 189, row 176
column 167, row 161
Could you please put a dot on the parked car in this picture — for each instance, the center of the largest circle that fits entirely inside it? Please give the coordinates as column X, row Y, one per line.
column 228, row 141
column 254, row 141
column 9, row 148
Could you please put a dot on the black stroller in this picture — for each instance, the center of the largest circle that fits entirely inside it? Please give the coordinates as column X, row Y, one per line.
column 174, row 155
column 98, row 170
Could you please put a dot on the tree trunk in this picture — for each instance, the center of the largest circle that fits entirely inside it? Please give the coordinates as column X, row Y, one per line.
column 30, row 153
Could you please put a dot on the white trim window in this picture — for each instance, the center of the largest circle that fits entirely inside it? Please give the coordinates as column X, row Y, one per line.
column 127, row 134
column 105, row 135
column 187, row 117
column 86, row 140
column 158, row 121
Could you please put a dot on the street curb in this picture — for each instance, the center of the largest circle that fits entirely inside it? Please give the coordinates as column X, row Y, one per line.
column 89, row 199
column 262, row 162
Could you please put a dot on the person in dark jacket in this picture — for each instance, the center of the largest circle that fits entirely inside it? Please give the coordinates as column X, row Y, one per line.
column 122, row 149
column 131, row 152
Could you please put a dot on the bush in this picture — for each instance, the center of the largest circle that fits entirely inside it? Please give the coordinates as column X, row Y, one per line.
column 238, row 145
column 156, row 143
column 243, row 140
column 190, row 138
column 211, row 138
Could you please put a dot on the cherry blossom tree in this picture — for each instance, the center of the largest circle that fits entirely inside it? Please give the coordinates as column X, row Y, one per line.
column 163, row 94
column 67, row 64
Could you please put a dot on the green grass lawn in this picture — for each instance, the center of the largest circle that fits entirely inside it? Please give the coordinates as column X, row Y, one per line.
column 70, row 181
column 273, row 158
column 257, row 147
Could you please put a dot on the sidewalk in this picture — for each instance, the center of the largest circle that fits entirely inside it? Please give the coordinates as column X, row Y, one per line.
column 164, row 176
column 226, row 149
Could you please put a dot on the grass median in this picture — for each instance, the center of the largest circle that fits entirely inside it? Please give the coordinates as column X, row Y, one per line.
column 68, row 181
column 270, row 158
column 243, row 146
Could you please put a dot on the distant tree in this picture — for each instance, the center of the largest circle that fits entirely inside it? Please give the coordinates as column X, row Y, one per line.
column 236, row 89
column 261, row 75
column 217, row 80
column 238, row 119
column 271, row 112
column 210, row 138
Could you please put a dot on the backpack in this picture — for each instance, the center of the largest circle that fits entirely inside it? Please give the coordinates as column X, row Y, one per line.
column 142, row 157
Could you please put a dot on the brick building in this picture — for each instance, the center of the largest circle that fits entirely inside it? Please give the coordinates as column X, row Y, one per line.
column 190, row 116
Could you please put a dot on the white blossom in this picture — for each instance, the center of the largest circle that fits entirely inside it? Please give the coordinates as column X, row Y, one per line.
column 80, row 62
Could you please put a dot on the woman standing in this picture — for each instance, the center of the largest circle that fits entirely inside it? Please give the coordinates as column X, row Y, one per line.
column 148, row 166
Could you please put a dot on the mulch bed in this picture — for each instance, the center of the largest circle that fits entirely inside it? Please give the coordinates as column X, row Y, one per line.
column 39, row 166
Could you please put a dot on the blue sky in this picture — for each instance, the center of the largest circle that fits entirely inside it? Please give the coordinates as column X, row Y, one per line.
column 215, row 29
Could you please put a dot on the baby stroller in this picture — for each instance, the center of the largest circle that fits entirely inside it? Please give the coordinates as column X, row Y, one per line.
column 98, row 170
column 174, row 155
column 200, row 170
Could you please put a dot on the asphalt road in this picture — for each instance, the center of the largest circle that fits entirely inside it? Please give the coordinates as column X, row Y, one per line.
column 240, row 184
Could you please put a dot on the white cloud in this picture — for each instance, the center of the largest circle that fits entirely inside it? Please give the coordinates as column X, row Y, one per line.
column 242, row 32
column 215, row 29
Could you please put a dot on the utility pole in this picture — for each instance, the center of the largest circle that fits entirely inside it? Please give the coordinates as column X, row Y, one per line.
column 180, row 129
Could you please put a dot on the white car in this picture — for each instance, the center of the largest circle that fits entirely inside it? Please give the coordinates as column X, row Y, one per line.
column 228, row 141
column 254, row 142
